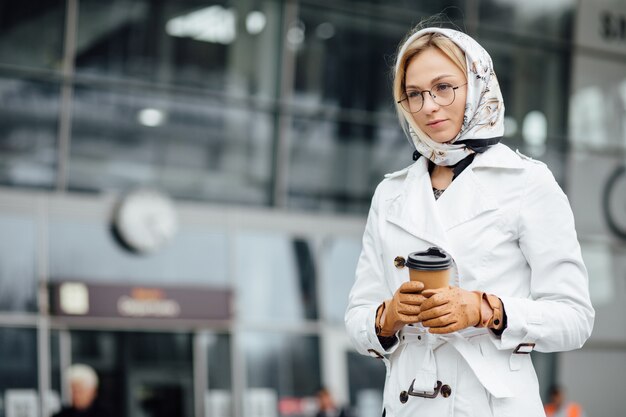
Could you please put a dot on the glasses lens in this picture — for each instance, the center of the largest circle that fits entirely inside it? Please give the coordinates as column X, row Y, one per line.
column 443, row 94
column 412, row 102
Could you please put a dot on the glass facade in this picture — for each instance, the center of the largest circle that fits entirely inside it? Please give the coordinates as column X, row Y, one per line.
column 18, row 376
column 284, row 364
column 18, row 263
column 29, row 109
column 219, row 46
column 240, row 102
column 38, row 27
column 175, row 95
column 183, row 261
column 140, row 373
column 366, row 380
column 339, row 258
column 549, row 21
column 270, row 123
column 189, row 144
column 275, row 280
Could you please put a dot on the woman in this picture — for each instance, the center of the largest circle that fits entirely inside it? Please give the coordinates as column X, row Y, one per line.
column 518, row 280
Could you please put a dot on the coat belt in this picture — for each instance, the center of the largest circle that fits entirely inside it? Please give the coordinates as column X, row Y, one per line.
column 426, row 375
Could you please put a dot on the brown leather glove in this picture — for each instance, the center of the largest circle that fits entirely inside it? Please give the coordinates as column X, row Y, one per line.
column 491, row 312
column 400, row 310
column 450, row 309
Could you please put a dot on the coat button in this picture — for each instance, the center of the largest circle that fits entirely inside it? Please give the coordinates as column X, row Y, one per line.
column 404, row 397
column 446, row 391
column 399, row 262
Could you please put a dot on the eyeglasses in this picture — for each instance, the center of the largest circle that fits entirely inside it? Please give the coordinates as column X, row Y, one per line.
column 442, row 94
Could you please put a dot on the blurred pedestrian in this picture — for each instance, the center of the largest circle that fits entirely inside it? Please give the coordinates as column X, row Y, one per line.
column 558, row 407
column 83, row 382
column 327, row 406
column 495, row 219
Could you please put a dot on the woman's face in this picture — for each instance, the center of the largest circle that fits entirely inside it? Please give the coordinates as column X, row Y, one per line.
column 432, row 68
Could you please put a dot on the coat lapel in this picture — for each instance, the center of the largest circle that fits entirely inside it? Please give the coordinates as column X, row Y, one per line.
column 414, row 210
column 468, row 197
column 465, row 199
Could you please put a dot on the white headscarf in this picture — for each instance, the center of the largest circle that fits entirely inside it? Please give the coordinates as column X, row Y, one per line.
column 484, row 108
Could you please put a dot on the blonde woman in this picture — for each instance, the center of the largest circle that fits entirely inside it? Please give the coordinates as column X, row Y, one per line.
column 518, row 282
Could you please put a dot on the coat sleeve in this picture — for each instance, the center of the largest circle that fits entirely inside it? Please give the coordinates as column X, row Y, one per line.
column 369, row 289
column 558, row 314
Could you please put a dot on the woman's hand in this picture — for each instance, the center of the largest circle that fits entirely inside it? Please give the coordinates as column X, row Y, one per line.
column 450, row 309
column 401, row 310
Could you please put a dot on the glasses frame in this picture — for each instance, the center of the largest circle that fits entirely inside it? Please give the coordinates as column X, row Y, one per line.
column 432, row 96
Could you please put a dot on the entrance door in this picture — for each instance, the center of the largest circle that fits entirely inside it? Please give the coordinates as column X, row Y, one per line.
column 152, row 393
column 142, row 374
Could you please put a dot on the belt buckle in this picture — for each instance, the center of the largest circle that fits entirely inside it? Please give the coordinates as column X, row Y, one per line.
column 424, row 394
column 524, row 348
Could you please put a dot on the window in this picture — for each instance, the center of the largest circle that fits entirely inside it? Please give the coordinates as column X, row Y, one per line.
column 283, row 371
column 193, row 257
column 275, row 281
column 18, row 376
column 18, row 277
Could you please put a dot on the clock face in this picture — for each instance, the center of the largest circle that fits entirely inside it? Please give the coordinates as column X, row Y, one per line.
column 614, row 202
column 145, row 220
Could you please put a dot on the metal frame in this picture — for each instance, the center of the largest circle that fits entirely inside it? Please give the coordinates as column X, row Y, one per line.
column 67, row 92
column 280, row 170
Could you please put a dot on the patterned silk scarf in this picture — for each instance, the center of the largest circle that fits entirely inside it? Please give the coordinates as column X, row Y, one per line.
column 483, row 121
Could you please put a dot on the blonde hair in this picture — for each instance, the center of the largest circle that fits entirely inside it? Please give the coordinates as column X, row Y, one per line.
column 83, row 374
column 424, row 42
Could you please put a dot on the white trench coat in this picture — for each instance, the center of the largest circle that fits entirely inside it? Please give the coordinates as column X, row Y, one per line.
column 510, row 230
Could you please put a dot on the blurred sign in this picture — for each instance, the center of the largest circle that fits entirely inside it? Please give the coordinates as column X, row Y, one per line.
column 601, row 24
column 290, row 406
column 21, row 403
column 261, row 402
column 298, row 406
column 217, row 403
column 102, row 300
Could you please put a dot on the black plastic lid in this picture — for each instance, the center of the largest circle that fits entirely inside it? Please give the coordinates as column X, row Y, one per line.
column 433, row 259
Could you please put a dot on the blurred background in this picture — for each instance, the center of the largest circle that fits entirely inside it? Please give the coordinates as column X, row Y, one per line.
column 184, row 185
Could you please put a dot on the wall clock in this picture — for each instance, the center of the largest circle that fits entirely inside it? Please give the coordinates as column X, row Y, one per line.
column 614, row 202
column 144, row 220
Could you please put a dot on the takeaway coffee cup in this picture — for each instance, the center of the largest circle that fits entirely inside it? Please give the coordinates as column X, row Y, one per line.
column 431, row 267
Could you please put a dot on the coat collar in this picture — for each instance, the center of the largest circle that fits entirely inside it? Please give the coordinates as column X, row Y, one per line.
column 415, row 209
column 498, row 156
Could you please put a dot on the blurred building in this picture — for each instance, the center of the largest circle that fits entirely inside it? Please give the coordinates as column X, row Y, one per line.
column 268, row 123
